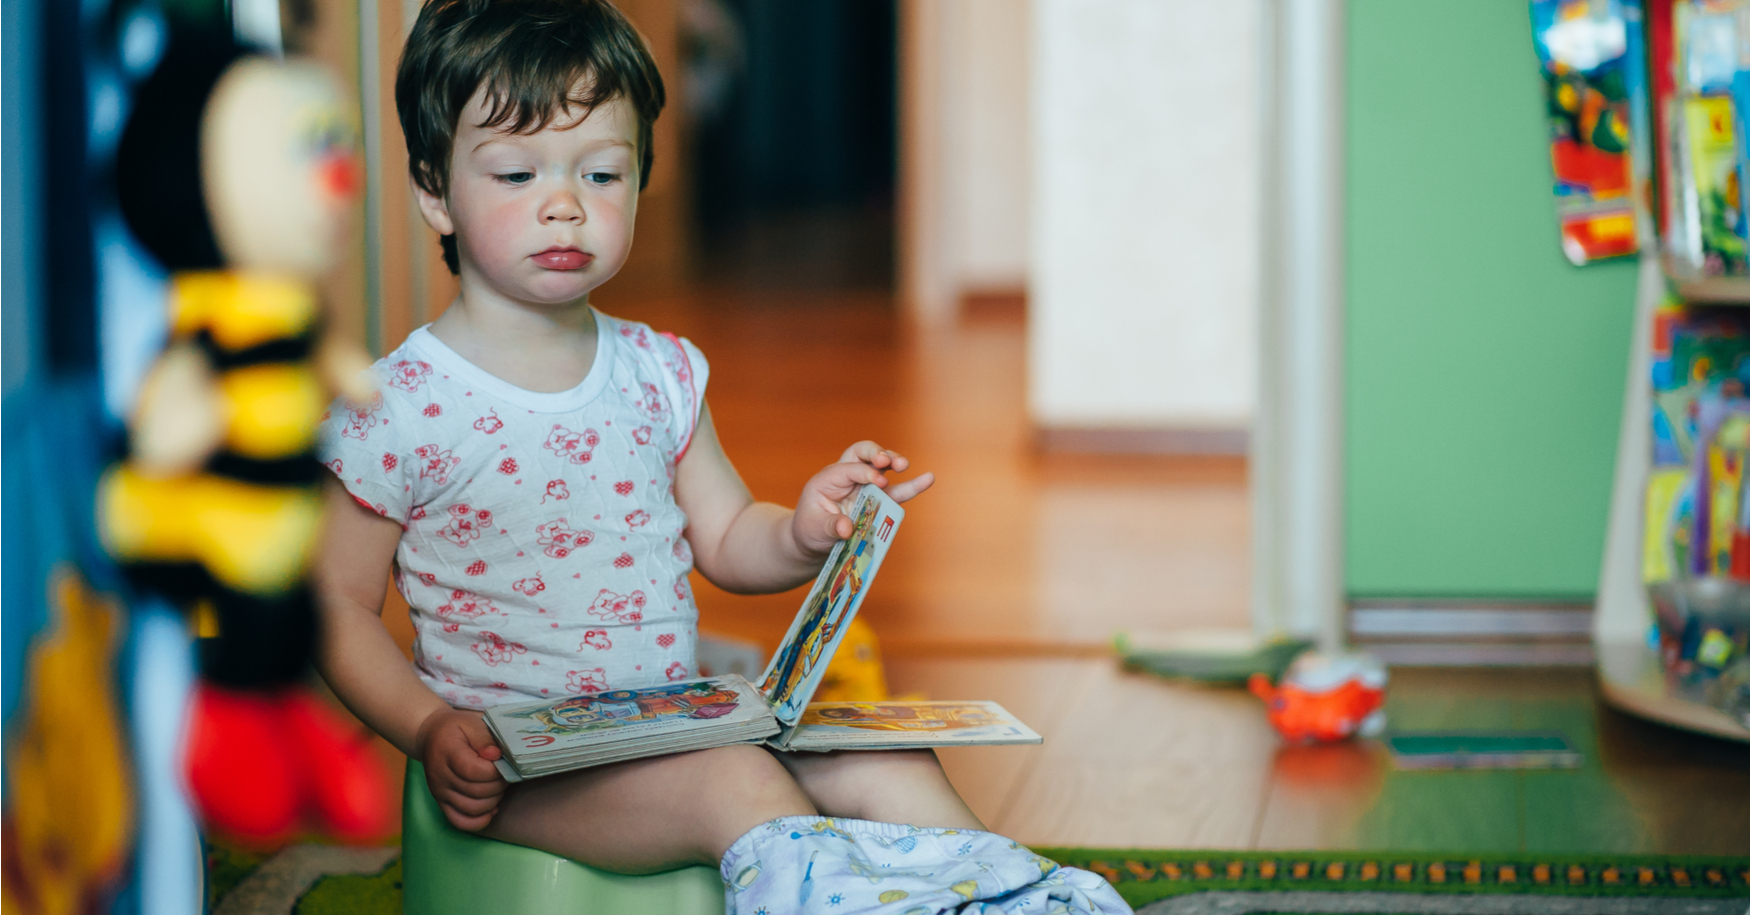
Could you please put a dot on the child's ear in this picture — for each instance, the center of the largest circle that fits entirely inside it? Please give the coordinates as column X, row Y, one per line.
column 435, row 210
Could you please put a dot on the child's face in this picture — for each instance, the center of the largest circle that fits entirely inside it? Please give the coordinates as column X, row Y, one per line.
column 546, row 217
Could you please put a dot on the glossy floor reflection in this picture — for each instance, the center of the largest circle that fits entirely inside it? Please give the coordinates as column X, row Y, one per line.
column 1011, row 549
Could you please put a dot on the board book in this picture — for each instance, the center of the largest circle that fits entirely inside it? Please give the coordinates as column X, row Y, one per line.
column 594, row 729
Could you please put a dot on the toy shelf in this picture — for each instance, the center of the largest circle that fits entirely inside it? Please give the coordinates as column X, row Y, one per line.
column 1724, row 290
column 1629, row 673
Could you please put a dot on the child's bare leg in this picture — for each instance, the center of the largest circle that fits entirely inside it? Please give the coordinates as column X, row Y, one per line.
column 651, row 814
column 890, row 786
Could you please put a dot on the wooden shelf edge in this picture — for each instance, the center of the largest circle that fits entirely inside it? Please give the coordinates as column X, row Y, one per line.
column 1719, row 290
column 1630, row 677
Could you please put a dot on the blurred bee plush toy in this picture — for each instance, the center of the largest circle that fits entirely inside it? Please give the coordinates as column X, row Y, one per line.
column 238, row 172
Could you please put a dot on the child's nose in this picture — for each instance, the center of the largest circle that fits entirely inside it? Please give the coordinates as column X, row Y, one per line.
column 562, row 207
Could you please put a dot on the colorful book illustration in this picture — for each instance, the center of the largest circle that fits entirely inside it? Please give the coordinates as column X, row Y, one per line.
column 543, row 738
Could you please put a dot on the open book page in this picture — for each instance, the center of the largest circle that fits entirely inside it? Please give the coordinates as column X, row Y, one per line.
column 582, row 730
column 905, row 725
column 800, row 662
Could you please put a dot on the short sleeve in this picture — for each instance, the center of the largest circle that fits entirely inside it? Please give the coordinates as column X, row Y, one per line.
column 687, row 373
column 362, row 444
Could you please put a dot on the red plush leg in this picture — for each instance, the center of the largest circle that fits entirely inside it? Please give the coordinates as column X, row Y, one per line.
column 342, row 775
column 243, row 784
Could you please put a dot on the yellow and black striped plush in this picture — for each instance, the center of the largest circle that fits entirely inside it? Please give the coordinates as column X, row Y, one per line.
column 232, row 538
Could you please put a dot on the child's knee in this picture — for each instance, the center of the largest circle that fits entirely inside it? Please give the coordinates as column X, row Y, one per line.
column 749, row 771
column 858, row 784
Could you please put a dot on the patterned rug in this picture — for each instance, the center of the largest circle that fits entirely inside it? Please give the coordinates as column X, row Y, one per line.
column 331, row 880
column 1279, row 883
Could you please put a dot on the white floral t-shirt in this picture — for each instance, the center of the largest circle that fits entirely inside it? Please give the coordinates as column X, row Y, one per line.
column 543, row 552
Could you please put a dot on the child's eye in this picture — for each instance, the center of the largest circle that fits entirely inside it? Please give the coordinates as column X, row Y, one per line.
column 516, row 178
column 601, row 178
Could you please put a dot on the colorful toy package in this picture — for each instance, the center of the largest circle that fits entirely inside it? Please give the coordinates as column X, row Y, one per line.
column 1594, row 70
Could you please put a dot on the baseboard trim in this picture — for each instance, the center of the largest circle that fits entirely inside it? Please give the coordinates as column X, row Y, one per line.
column 1470, row 633
column 1413, row 619
column 1226, row 442
column 1482, row 654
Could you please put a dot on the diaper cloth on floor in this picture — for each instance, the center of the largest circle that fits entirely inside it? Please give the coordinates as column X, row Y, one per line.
column 833, row 865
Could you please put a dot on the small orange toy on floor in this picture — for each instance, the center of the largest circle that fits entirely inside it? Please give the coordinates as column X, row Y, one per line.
column 1325, row 698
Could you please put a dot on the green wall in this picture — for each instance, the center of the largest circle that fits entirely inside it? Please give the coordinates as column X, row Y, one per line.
column 1484, row 374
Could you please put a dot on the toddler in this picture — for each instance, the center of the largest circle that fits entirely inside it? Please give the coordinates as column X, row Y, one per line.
column 541, row 478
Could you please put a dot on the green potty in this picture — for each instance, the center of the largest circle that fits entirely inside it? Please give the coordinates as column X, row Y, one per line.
column 445, row 871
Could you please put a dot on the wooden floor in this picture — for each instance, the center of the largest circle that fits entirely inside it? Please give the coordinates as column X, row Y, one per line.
column 1014, row 573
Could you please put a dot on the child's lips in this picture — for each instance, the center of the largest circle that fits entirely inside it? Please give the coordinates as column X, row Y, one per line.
column 563, row 259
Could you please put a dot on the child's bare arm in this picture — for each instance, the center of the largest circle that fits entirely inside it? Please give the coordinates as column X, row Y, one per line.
column 750, row 547
column 366, row 670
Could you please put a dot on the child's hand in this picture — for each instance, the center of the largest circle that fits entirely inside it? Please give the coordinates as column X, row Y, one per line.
column 458, row 751
column 820, row 520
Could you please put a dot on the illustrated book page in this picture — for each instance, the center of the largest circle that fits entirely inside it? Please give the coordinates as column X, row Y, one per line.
column 612, row 726
column 800, row 662
column 904, row 726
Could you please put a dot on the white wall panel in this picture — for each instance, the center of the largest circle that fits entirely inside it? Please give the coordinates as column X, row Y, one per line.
column 1144, row 198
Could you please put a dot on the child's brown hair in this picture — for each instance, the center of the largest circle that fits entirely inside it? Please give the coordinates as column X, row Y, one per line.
column 531, row 57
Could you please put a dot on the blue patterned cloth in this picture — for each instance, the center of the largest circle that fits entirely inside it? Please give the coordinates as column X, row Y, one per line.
column 833, row 865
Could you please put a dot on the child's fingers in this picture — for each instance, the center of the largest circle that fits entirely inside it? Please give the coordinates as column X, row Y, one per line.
column 871, row 453
column 469, row 806
column 837, row 482
column 480, row 738
column 466, row 822
column 472, row 767
column 477, row 788
column 902, row 492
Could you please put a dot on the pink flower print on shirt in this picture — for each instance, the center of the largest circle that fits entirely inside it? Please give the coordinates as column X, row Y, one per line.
column 465, row 605
column 418, row 513
column 426, row 578
column 489, row 423
column 638, row 518
column 436, row 463
column 530, row 586
column 466, row 524
column 641, row 435
column 682, row 551
column 495, row 650
column 680, row 365
column 575, row 447
column 594, row 680
column 597, row 639
column 682, row 592
column 653, row 404
column 360, row 418
column 624, row 608
column 556, row 489
column 408, row 376
column 675, row 671
column 558, row 539
column 639, row 336
column 336, row 466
